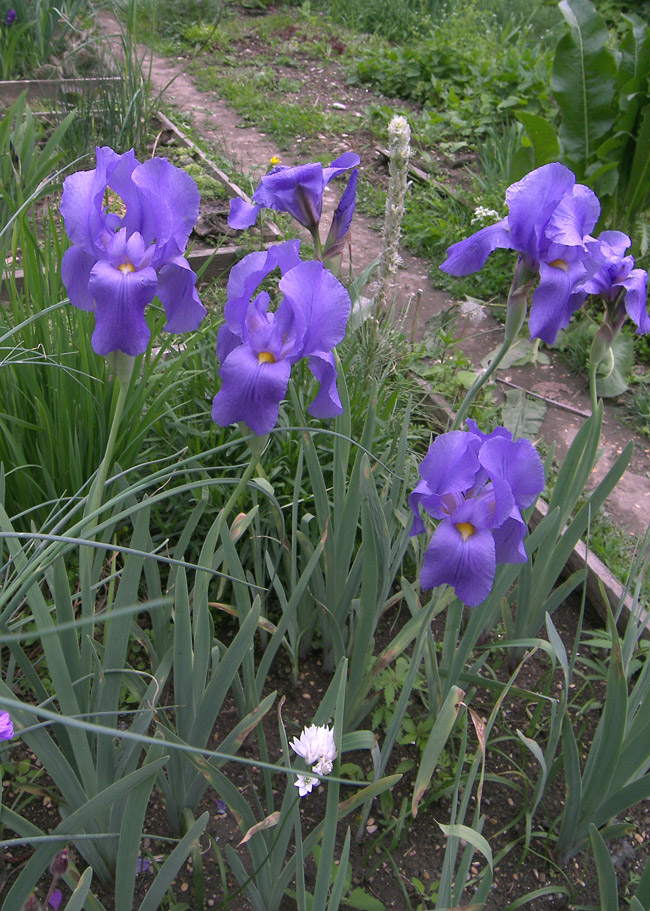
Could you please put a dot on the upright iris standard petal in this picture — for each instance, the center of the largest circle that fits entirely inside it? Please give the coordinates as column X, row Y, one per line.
column 450, row 467
column 320, row 304
column 531, row 204
column 341, row 220
column 121, row 259
column 517, row 463
column 257, row 347
column 171, row 201
column 475, row 484
column 82, row 202
column 248, row 273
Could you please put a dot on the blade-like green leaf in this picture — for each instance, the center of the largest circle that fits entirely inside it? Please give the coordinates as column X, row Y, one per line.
column 438, row 737
column 172, row 865
column 607, row 885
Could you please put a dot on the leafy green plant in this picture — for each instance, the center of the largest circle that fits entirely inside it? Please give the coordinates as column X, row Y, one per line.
column 615, row 775
column 39, row 33
column 604, row 105
column 26, row 165
column 463, row 81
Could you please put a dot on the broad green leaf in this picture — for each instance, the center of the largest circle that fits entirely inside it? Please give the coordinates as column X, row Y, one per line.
column 543, row 137
column 638, row 187
column 582, row 82
column 360, row 900
column 522, row 414
column 613, row 381
column 635, row 51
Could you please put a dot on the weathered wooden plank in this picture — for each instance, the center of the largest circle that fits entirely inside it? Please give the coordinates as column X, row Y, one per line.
column 52, row 89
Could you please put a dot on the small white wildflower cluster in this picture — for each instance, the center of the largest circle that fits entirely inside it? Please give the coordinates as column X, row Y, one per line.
column 399, row 138
column 316, row 746
column 483, row 214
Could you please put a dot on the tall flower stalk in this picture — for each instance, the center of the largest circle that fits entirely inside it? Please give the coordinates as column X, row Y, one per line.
column 399, row 138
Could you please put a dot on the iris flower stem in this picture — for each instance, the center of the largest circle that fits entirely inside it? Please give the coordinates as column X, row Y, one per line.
column 517, row 308
column 318, row 247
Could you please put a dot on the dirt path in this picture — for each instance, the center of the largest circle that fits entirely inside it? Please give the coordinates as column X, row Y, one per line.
column 250, row 150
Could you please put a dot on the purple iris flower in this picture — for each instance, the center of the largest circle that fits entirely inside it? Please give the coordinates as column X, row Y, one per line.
column 11, row 17
column 55, row 900
column 258, row 347
column 119, row 262
column 549, row 221
column 298, row 191
column 143, row 865
column 6, row 726
column 618, row 283
column 476, row 484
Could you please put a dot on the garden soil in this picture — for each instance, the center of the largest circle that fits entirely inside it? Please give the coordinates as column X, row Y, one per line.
column 386, row 862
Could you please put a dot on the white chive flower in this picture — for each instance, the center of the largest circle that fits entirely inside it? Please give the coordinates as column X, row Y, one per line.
column 316, row 746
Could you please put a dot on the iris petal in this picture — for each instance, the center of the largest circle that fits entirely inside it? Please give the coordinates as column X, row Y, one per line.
column 171, row 198
column 551, row 309
column 247, row 274
column 469, row 255
column 251, row 391
column 177, row 293
column 327, row 403
column 81, row 202
column 509, row 539
column 321, row 307
column 120, row 300
column 531, row 202
column 517, row 463
column 467, row 565
column 76, row 266
column 298, row 191
column 242, row 214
